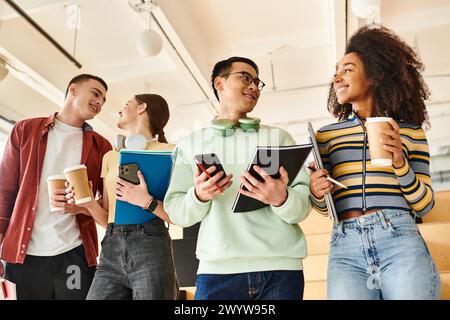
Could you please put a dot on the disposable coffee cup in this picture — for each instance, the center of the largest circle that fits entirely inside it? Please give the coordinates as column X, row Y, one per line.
column 55, row 182
column 78, row 179
column 379, row 157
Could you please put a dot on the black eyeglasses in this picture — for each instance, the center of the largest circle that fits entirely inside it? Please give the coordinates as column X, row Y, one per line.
column 248, row 79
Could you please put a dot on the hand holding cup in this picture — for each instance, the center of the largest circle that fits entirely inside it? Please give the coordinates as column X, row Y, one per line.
column 56, row 192
column 379, row 155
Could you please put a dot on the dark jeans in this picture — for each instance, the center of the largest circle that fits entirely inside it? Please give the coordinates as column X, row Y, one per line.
column 136, row 262
column 66, row 276
column 265, row 285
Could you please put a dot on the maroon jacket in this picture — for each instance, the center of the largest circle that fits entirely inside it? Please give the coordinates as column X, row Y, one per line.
column 20, row 174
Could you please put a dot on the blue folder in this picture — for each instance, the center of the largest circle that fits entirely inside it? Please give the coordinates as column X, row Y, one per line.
column 156, row 166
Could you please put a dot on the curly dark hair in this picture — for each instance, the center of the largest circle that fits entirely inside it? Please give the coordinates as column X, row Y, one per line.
column 399, row 90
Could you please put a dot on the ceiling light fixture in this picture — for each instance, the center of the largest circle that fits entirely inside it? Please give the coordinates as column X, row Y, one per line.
column 44, row 33
column 272, row 68
column 73, row 23
column 149, row 43
column 73, row 17
column 367, row 9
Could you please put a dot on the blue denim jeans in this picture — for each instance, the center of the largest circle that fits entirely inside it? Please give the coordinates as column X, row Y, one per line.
column 264, row 285
column 136, row 262
column 380, row 256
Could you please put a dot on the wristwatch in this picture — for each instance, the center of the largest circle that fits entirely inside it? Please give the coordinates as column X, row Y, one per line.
column 152, row 205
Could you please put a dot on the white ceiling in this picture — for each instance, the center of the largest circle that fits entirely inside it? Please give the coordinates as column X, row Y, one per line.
column 298, row 41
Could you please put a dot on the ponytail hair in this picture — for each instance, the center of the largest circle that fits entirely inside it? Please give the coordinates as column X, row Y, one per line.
column 158, row 113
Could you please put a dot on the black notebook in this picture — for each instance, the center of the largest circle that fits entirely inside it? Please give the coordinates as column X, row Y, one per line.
column 271, row 159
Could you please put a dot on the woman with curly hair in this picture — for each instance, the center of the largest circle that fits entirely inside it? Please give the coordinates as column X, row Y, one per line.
column 376, row 250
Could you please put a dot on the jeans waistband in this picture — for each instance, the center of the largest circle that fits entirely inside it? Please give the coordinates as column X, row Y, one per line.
column 114, row 228
column 380, row 217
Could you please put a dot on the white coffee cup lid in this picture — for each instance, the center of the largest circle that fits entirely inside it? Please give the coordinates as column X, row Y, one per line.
column 377, row 119
column 56, row 177
column 73, row 168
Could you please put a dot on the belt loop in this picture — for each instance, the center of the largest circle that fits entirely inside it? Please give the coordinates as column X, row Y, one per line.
column 111, row 227
column 383, row 219
column 359, row 223
column 340, row 227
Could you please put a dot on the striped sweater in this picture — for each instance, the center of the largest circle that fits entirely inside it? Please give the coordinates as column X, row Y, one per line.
column 345, row 154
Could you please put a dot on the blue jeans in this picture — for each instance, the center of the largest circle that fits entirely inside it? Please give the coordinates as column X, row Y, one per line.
column 265, row 285
column 136, row 262
column 380, row 256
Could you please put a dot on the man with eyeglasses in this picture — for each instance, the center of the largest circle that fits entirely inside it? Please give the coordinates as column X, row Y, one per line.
column 242, row 256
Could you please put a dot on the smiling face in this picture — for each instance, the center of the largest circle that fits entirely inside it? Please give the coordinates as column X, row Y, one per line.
column 234, row 94
column 88, row 98
column 129, row 114
column 350, row 81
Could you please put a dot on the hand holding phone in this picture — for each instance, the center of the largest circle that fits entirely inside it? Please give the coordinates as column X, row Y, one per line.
column 204, row 191
column 128, row 172
column 135, row 191
column 205, row 161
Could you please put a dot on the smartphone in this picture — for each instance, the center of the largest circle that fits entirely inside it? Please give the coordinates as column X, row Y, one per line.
column 204, row 161
column 128, row 172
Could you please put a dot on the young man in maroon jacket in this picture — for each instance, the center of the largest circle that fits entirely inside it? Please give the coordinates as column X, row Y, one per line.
column 51, row 255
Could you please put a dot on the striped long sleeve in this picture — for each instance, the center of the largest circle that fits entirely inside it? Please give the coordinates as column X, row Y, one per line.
column 414, row 176
column 345, row 153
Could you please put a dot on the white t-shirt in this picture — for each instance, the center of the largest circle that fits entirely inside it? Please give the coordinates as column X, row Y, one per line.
column 55, row 232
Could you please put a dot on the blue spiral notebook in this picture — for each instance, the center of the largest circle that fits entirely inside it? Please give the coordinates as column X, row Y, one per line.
column 156, row 166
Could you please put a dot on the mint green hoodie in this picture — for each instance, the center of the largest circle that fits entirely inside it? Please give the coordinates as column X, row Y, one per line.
column 261, row 240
